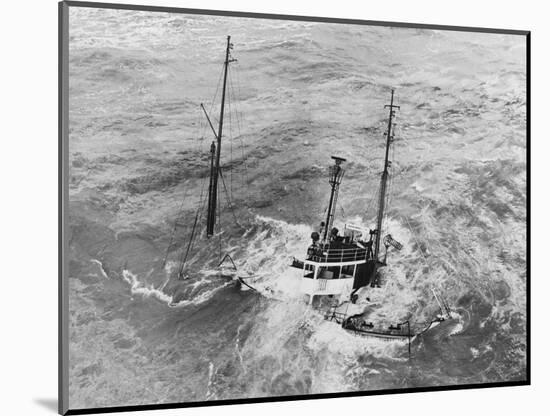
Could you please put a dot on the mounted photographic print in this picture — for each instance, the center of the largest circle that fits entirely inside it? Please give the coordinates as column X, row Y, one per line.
column 260, row 207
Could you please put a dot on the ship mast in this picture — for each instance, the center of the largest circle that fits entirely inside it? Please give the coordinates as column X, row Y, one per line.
column 336, row 173
column 384, row 179
column 216, row 152
column 215, row 170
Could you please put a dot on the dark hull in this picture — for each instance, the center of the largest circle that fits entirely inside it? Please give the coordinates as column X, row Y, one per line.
column 382, row 335
column 378, row 333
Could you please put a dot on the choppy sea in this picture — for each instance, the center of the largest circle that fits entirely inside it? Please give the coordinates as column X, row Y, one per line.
column 298, row 93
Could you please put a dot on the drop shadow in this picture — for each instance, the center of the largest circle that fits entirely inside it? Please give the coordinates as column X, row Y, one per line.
column 49, row 404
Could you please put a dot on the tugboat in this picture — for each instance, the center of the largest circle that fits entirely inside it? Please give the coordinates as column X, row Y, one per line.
column 337, row 267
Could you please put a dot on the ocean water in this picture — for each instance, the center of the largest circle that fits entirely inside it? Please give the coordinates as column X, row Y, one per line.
column 299, row 93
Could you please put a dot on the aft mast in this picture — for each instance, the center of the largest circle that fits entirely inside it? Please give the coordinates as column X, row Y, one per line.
column 216, row 152
column 384, row 179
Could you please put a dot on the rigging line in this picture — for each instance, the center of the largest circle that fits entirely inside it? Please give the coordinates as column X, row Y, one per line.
column 374, row 197
column 230, row 117
column 239, row 131
column 370, row 205
column 178, row 216
column 234, row 108
column 201, row 210
column 342, row 209
column 229, row 199
column 219, row 224
column 386, row 200
column 201, row 149
column 198, row 216
column 394, row 171
column 209, row 122
column 216, row 92
column 201, row 128
column 183, row 259
column 198, row 219
column 244, row 176
column 391, row 173
column 388, row 196
column 416, row 240
column 239, row 94
column 230, row 98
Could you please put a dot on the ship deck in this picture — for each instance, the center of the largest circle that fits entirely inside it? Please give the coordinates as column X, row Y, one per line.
column 338, row 254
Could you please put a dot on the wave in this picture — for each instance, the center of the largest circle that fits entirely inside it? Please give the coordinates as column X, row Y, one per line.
column 138, row 288
column 100, row 264
column 271, row 244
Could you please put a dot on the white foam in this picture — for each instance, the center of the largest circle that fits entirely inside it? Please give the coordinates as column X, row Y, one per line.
column 237, row 348
column 268, row 259
column 138, row 288
column 461, row 323
column 210, row 380
column 339, row 341
column 100, row 264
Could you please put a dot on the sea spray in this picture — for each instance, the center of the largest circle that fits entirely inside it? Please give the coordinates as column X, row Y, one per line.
column 211, row 372
column 102, row 270
column 139, row 288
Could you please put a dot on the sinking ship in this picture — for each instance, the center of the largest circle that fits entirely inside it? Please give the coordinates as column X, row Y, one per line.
column 338, row 267
column 215, row 177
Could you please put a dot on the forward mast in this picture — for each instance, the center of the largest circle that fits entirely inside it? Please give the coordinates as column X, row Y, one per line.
column 215, row 150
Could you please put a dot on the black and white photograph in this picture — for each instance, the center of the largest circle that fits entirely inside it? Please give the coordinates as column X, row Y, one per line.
column 261, row 207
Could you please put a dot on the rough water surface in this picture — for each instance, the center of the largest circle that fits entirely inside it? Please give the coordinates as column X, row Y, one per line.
column 299, row 92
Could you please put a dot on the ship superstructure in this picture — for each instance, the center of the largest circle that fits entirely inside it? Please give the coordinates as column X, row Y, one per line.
column 341, row 264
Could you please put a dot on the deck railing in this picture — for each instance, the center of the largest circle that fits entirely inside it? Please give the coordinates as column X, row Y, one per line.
column 332, row 315
column 335, row 255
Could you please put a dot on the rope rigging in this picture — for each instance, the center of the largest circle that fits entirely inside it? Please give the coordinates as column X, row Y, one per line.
column 239, row 133
column 227, row 99
column 444, row 302
column 198, row 217
column 228, row 196
column 202, row 125
column 393, row 158
column 219, row 225
column 201, row 129
column 389, row 194
column 178, row 216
